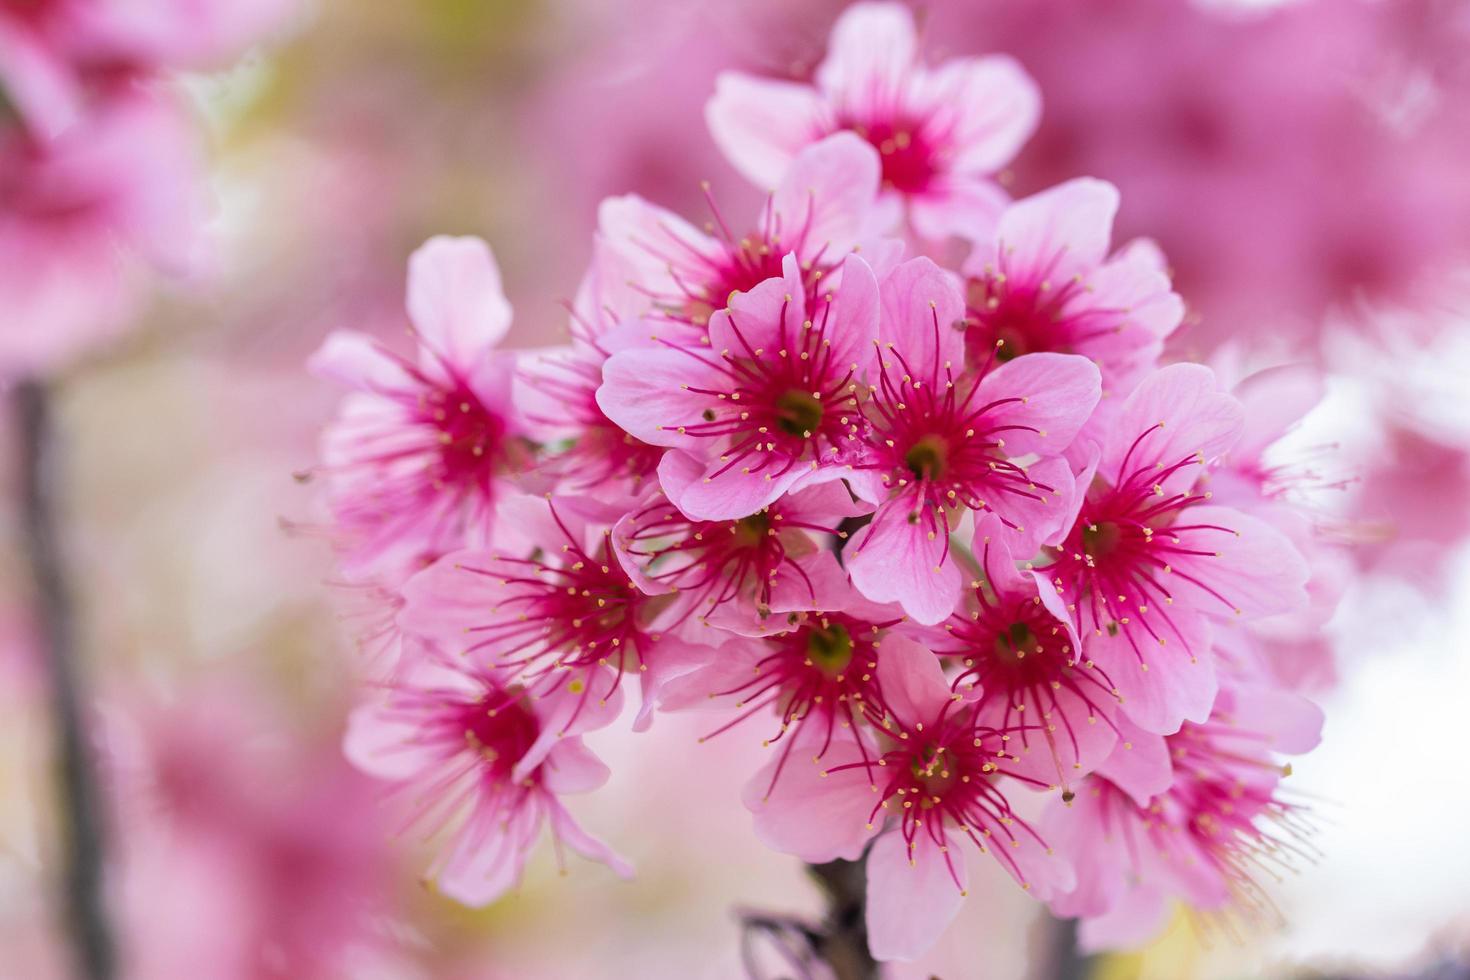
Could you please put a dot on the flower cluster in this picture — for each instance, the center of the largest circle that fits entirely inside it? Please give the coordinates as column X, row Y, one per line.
column 946, row 537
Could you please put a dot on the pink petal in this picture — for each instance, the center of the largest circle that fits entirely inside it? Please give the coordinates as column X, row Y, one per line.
column 1275, row 400
column 892, row 560
column 912, row 899
column 382, row 745
column 37, row 83
column 1152, row 312
column 1198, row 420
column 912, row 680
column 1139, row 764
column 869, row 54
column 735, row 493
column 643, row 392
column 1289, row 722
column 576, row 707
column 960, row 205
column 763, row 315
column 1072, row 746
column 1089, row 834
column 659, row 250
column 358, row 361
column 1040, row 515
column 852, row 321
column 1179, row 684
column 1057, row 234
column 921, row 306
column 489, row 854
column 570, row 833
column 443, row 602
column 990, row 105
column 1255, row 571
column 825, row 198
column 1139, row 915
column 1054, row 394
column 814, row 816
column 666, row 661
column 761, row 124
column 455, row 301
column 1034, row 865
column 571, row 767
column 734, row 665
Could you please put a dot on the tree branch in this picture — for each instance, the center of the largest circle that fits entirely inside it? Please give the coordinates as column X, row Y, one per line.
column 82, row 908
column 843, row 942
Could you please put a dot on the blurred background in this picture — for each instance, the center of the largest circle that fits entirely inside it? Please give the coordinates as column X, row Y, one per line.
column 1303, row 165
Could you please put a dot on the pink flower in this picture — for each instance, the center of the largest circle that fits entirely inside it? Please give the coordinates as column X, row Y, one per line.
column 822, row 209
column 554, row 603
column 473, row 747
column 820, row 677
column 1197, row 840
column 1046, row 283
column 940, row 441
column 941, row 132
column 1149, row 560
column 769, row 406
column 1022, row 659
column 936, row 785
column 422, row 449
column 743, row 574
column 83, row 217
column 558, row 390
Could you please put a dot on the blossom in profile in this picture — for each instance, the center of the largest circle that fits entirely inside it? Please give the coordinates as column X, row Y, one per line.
column 487, row 762
column 424, row 447
column 1150, row 561
column 557, row 390
column 942, row 132
column 939, row 442
column 1223, row 821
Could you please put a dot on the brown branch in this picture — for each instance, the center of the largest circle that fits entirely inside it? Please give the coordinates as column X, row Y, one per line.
column 843, row 940
column 82, row 906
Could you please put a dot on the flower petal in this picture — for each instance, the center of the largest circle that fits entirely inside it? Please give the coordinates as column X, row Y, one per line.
column 456, row 302
column 894, row 560
column 912, row 897
column 761, row 124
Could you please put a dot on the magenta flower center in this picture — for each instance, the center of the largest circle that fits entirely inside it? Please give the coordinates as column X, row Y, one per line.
column 499, row 731
column 471, row 439
column 943, row 448
column 910, row 161
column 581, row 612
column 717, row 561
column 1013, row 318
column 780, row 403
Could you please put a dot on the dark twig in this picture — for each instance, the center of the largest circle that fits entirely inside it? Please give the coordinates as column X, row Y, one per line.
column 1058, row 956
column 83, row 898
column 837, row 947
column 843, row 943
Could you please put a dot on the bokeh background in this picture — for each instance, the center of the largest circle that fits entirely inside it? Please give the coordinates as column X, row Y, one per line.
column 1305, row 165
